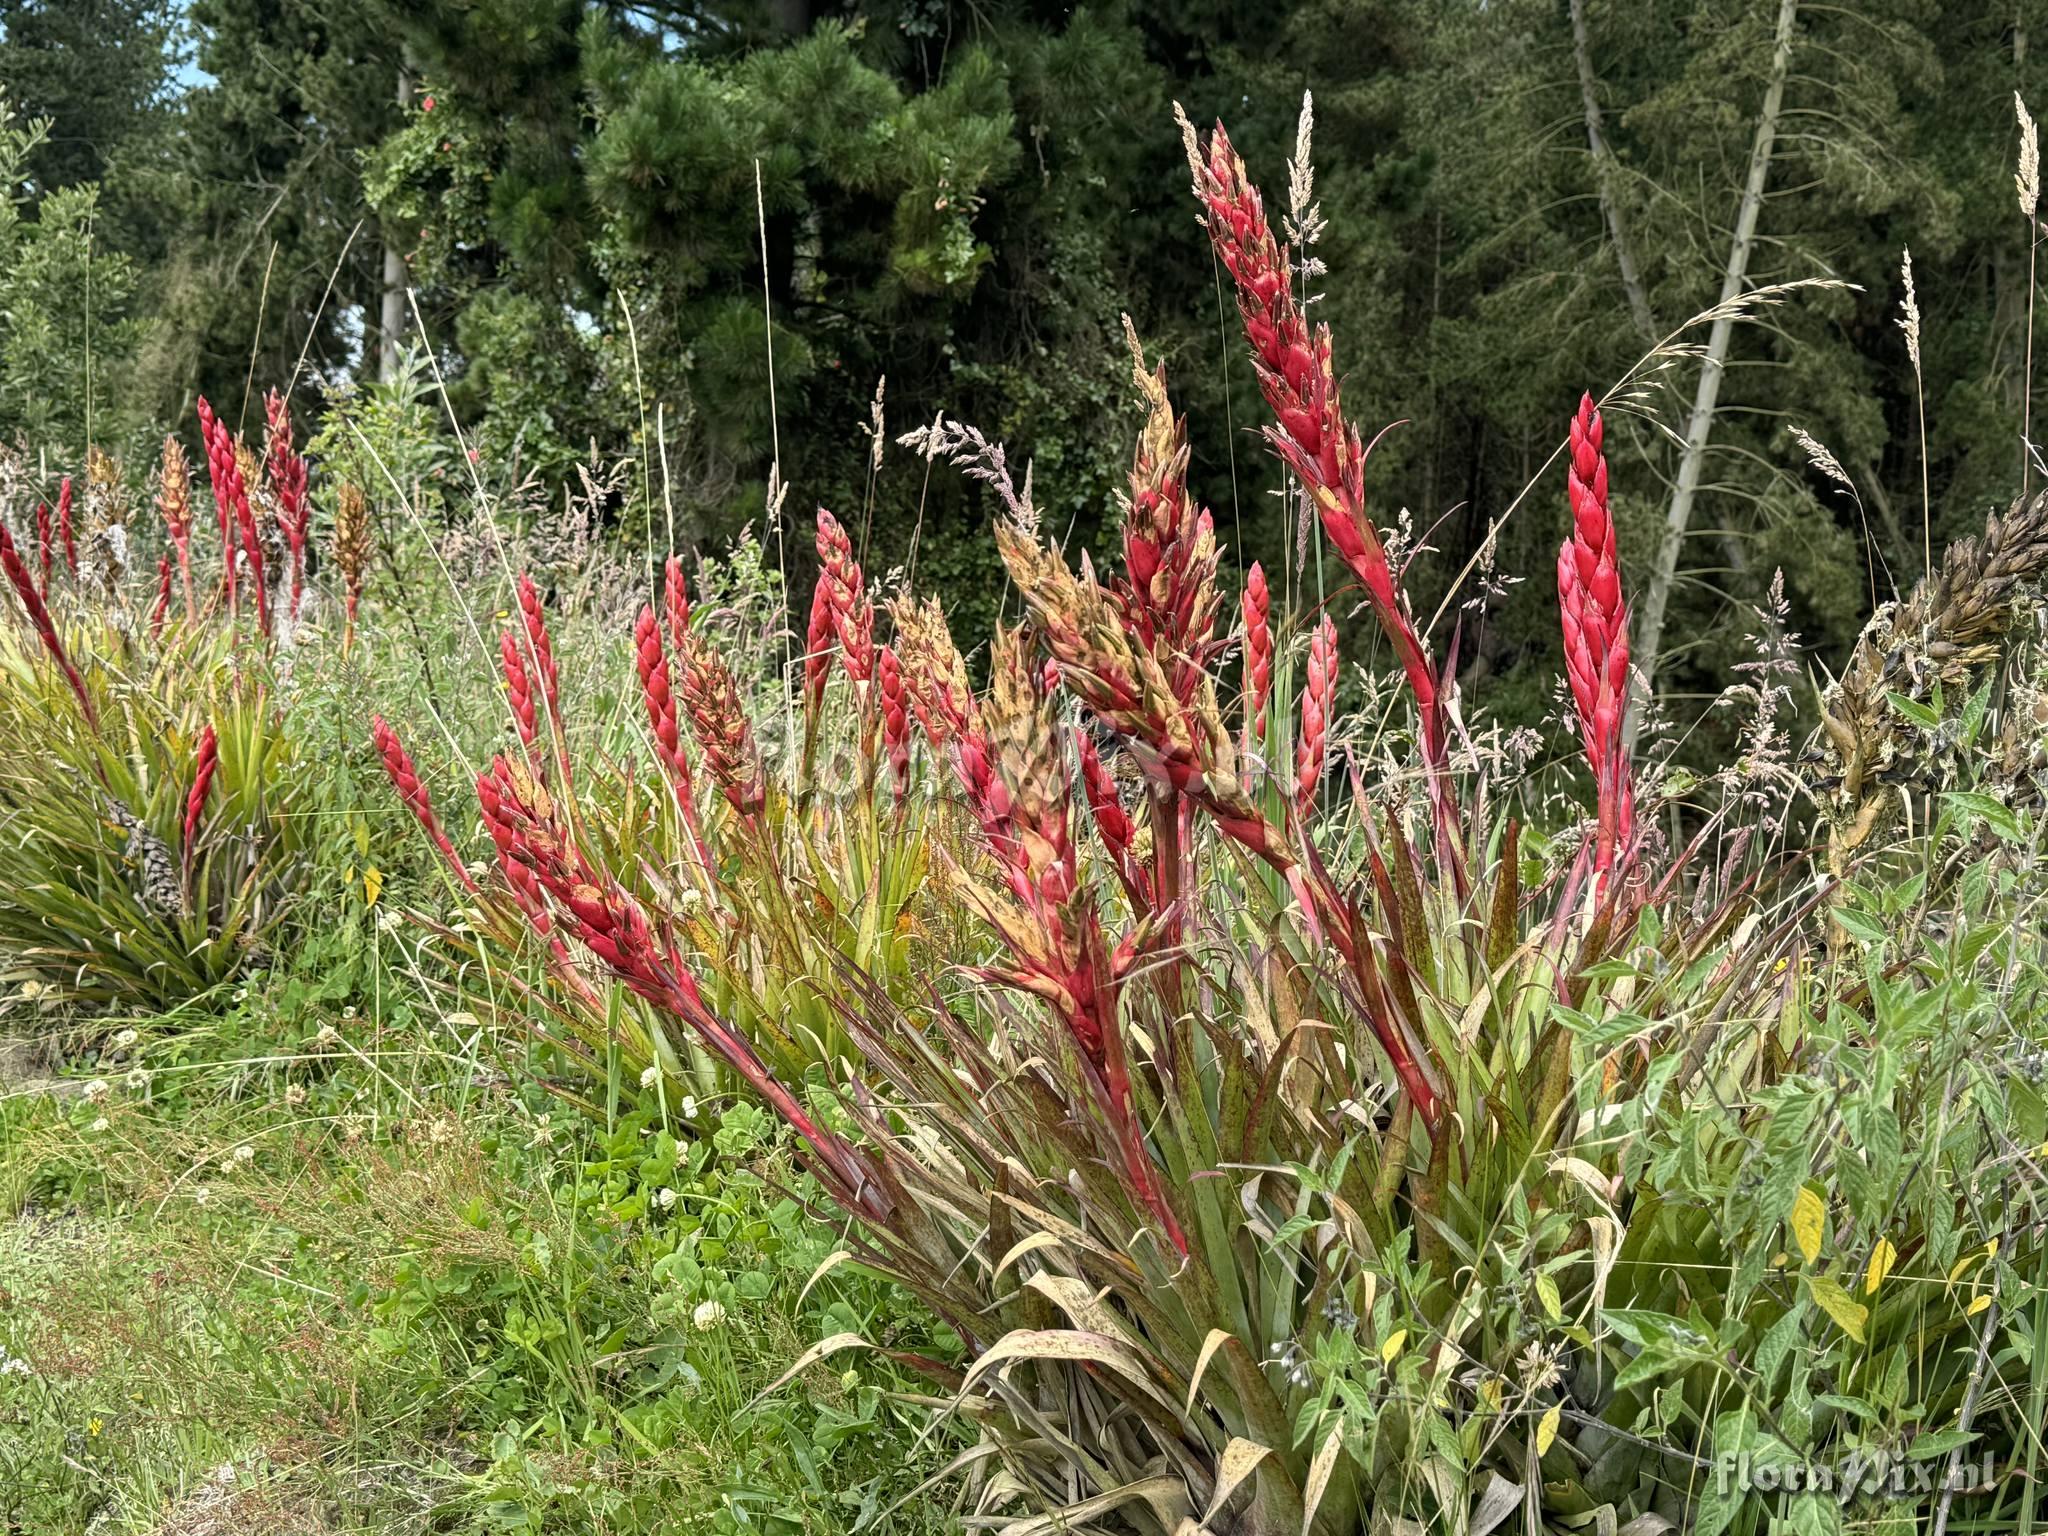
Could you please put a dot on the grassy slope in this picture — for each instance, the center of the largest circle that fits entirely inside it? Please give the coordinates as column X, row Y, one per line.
column 354, row 1284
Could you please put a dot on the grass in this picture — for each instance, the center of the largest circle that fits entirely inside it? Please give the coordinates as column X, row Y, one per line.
column 355, row 1284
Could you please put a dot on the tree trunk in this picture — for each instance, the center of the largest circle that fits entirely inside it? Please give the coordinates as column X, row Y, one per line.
column 1699, row 425
column 391, row 305
column 1606, row 174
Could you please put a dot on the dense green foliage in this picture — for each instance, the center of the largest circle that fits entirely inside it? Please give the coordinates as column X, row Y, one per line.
column 961, row 198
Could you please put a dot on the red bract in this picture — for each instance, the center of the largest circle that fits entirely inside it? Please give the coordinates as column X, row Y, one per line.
column 287, row 471
column 651, row 662
column 818, row 638
column 1113, row 823
column 518, row 690
column 1168, row 595
column 398, row 768
column 64, row 533
column 1312, row 437
column 505, row 817
column 711, row 699
column 205, row 762
column 1595, row 619
column 536, row 622
column 677, row 602
column 1316, row 699
column 852, row 615
column 615, row 928
column 218, row 465
column 1256, row 607
column 39, row 620
column 895, row 718
column 231, row 498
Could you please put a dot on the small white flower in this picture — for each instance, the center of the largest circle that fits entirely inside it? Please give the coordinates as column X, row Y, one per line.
column 543, row 1131
column 95, row 1090
column 137, row 1080
column 689, row 1106
column 201, row 1195
column 100, row 1124
column 295, row 1094
column 349, row 1012
column 389, row 920
column 650, row 1077
column 245, row 1154
column 327, row 1036
column 665, row 1197
column 707, row 1316
column 126, row 1038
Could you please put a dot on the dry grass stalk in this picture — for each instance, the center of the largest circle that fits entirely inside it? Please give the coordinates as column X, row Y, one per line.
column 353, row 550
column 1953, row 625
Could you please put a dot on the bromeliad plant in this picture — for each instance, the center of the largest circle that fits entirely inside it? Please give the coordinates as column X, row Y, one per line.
column 1270, row 1146
column 769, row 888
column 158, row 820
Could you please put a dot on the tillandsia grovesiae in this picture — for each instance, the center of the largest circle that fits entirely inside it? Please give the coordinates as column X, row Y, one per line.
column 38, row 612
column 1595, row 620
column 174, row 505
column 287, row 473
column 1179, row 970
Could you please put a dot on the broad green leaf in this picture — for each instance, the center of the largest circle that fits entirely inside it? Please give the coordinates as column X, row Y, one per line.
column 1940, row 1443
column 1920, row 714
column 1995, row 814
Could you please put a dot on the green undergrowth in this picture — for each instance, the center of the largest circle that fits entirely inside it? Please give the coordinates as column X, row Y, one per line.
column 258, row 1277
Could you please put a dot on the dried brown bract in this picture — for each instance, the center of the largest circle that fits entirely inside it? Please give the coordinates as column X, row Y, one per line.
column 1946, row 632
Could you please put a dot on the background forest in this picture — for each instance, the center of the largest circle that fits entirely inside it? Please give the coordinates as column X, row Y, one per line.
column 1521, row 198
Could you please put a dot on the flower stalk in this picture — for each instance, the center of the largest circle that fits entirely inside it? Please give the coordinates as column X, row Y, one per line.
column 1595, row 622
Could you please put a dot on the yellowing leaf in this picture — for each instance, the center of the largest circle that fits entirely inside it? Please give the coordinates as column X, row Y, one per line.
column 1236, row 1464
column 1977, row 1305
column 1319, row 1471
column 1849, row 1315
column 1882, row 1257
column 1546, row 1292
column 1546, row 1429
column 1809, row 1216
column 360, row 826
column 373, row 885
column 1393, row 1345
